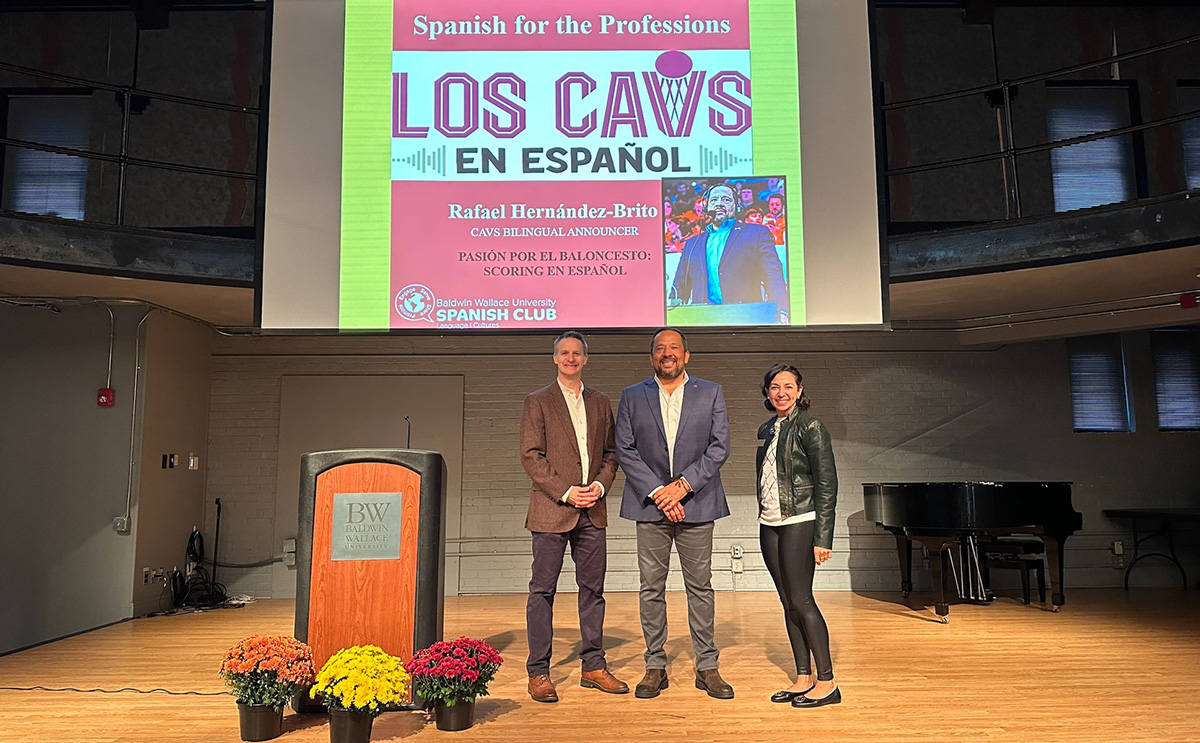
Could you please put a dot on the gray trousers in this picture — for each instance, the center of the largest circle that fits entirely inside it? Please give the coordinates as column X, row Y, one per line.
column 694, row 543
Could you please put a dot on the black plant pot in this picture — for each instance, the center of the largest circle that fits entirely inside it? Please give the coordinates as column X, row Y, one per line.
column 305, row 704
column 259, row 723
column 457, row 717
column 347, row 726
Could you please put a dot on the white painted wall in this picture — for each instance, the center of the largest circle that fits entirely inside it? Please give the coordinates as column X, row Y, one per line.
column 900, row 406
column 65, row 464
column 63, row 472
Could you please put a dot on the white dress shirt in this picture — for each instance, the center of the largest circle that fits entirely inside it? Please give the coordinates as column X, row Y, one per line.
column 578, row 411
column 671, row 406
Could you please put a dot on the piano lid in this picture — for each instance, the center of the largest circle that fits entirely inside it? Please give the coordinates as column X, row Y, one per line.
column 971, row 506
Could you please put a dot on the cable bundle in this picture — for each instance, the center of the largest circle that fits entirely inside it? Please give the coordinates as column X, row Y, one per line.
column 198, row 589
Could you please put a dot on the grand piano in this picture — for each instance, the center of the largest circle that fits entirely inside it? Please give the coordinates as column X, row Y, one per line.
column 945, row 515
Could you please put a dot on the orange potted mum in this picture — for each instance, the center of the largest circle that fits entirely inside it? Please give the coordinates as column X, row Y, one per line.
column 264, row 671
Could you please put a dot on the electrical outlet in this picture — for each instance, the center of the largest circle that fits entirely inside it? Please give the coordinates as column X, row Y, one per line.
column 736, row 551
column 737, row 565
column 158, row 574
column 1118, row 555
column 145, row 576
column 289, row 559
column 289, row 545
column 120, row 524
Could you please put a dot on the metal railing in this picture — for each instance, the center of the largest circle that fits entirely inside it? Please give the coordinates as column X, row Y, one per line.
column 123, row 159
column 1009, row 151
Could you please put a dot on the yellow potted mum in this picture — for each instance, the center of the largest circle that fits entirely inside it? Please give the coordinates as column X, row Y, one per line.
column 357, row 684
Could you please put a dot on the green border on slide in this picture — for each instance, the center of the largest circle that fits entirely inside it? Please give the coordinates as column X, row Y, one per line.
column 776, row 131
column 364, row 296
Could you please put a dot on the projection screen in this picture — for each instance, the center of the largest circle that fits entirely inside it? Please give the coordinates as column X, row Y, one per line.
column 478, row 166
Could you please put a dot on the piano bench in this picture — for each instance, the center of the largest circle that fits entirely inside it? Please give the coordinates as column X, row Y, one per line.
column 1019, row 554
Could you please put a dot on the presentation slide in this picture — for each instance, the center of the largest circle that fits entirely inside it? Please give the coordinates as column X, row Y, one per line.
column 536, row 164
column 567, row 169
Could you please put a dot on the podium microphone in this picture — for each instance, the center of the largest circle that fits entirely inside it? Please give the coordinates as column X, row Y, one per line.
column 408, row 443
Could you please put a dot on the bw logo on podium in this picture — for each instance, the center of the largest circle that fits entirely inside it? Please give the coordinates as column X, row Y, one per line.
column 366, row 526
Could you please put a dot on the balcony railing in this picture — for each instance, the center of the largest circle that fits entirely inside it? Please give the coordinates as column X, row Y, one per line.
column 130, row 99
column 1000, row 96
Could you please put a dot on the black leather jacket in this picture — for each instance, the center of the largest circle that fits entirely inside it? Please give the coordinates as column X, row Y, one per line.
column 806, row 471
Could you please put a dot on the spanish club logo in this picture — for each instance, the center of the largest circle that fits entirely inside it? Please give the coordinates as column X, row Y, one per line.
column 414, row 303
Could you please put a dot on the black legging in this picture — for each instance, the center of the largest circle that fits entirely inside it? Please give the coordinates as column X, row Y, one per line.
column 788, row 552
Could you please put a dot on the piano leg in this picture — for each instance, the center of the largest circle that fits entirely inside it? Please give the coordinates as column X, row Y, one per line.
column 904, row 550
column 1054, row 566
column 936, row 547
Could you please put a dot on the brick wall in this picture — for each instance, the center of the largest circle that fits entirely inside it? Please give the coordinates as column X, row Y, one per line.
column 900, row 406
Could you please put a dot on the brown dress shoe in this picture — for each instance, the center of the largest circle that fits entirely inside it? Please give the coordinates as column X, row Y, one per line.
column 712, row 682
column 604, row 681
column 541, row 688
column 652, row 683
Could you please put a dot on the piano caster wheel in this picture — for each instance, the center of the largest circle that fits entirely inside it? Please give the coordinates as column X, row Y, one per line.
column 1055, row 608
column 944, row 619
column 904, row 594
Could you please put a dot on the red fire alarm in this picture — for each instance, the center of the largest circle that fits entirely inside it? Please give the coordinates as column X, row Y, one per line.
column 104, row 397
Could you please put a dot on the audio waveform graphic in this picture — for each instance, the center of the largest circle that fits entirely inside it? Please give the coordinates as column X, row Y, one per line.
column 719, row 160
column 426, row 160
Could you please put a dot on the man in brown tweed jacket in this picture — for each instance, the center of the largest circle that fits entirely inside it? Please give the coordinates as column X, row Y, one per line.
column 568, row 450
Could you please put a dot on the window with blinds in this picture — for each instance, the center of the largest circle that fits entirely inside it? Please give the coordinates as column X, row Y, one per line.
column 46, row 183
column 1177, row 378
column 1090, row 173
column 1099, row 393
column 1189, row 100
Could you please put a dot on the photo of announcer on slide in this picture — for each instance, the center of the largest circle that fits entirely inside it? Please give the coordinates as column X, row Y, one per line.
column 726, row 251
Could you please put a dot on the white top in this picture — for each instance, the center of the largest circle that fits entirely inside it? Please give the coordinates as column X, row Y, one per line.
column 578, row 413
column 769, row 511
column 671, row 406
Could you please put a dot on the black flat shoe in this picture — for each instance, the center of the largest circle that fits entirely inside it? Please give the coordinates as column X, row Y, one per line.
column 786, row 697
column 833, row 697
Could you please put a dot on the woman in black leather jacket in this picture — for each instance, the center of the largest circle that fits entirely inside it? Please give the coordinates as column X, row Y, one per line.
column 797, row 492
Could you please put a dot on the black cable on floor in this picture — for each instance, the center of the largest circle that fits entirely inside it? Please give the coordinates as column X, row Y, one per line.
column 123, row 690
column 200, row 590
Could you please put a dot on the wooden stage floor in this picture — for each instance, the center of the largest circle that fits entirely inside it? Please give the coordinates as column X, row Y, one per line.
column 1110, row 667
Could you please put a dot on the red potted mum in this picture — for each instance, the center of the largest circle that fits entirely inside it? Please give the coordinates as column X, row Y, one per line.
column 264, row 672
column 450, row 675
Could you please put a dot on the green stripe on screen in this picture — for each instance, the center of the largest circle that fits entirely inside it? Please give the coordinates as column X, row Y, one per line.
column 777, row 123
column 364, row 299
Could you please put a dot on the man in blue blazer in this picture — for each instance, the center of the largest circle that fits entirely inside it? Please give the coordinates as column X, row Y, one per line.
column 730, row 262
column 672, row 437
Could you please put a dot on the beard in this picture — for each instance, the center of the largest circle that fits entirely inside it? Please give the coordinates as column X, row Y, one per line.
column 662, row 373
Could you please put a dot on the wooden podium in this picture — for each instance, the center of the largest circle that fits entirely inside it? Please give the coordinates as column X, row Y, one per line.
column 370, row 551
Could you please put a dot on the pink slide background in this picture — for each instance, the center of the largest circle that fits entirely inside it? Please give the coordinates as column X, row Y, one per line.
column 427, row 248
